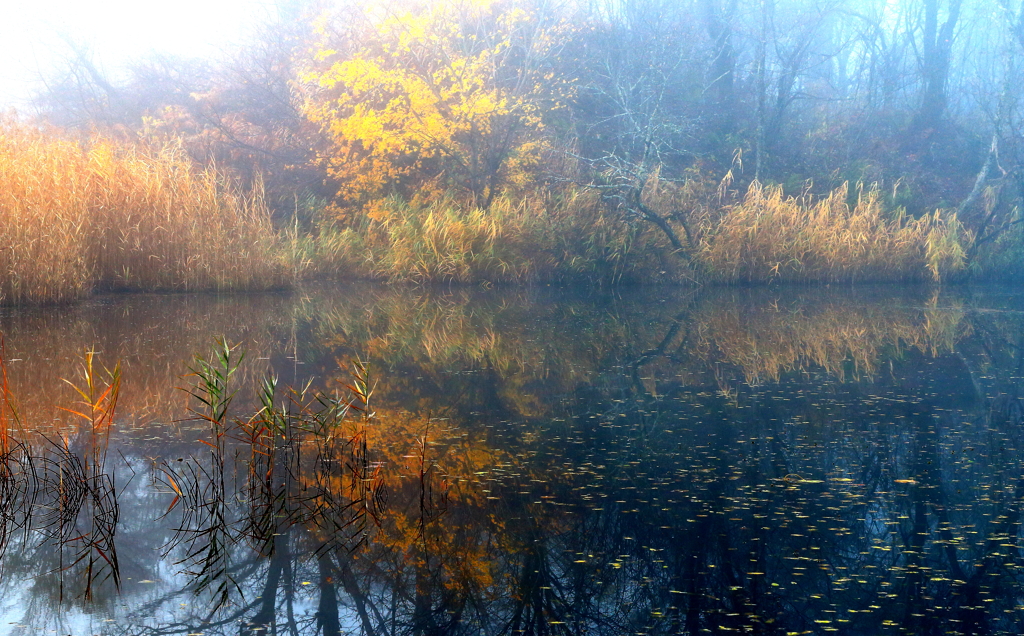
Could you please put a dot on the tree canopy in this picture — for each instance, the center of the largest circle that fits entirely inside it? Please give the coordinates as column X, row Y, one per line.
column 417, row 98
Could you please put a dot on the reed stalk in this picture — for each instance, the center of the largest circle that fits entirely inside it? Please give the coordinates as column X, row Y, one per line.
column 768, row 236
column 78, row 215
column 545, row 237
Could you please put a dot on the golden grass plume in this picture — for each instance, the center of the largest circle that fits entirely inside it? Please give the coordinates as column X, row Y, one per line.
column 77, row 215
column 546, row 236
column 769, row 236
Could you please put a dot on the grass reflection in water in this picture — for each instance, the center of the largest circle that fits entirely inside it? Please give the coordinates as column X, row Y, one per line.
column 506, row 466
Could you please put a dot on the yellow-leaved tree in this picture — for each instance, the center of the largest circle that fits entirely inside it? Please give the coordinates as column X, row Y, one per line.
column 419, row 98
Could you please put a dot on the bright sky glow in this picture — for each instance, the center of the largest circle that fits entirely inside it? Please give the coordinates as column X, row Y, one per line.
column 117, row 31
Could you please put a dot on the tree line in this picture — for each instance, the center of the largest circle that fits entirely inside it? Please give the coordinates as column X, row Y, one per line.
column 663, row 108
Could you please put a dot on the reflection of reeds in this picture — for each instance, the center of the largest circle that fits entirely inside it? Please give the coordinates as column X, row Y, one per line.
column 153, row 337
column 17, row 484
column 65, row 491
column 315, row 461
column 266, row 470
column 203, row 527
column 201, row 489
column 518, row 339
column 305, row 466
column 345, row 486
column 842, row 338
column 81, row 516
column 16, row 468
column 76, row 487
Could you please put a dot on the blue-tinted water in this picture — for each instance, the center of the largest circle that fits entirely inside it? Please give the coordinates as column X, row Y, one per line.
column 791, row 461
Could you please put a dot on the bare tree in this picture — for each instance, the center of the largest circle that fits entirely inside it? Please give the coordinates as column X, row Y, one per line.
column 636, row 117
column 934, row 59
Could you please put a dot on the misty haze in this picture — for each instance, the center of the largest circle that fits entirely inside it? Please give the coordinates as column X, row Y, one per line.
column 502, row 317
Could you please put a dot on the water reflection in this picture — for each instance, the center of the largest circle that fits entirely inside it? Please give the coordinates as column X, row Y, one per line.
column 523, row 463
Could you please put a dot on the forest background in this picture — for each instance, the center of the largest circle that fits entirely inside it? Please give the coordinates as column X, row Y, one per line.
column 494, row 141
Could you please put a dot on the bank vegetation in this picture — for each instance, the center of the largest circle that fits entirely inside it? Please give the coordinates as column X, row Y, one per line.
column 516, row 141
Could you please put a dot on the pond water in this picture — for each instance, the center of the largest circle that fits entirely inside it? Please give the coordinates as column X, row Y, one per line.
column 772, row 461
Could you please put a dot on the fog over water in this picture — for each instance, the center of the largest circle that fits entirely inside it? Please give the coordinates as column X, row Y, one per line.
column 760, row 461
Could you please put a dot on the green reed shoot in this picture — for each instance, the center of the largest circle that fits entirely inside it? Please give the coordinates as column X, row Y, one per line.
column 205, row 524
column 211, row 389
column 97, row 406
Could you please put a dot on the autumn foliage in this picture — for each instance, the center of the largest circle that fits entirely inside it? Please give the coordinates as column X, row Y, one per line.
column 108, row 214
column 769, row 236
column 523, row 141
column 430, row 97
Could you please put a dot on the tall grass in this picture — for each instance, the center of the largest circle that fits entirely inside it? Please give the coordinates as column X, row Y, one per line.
column 769, row 236
column 77, row 215
column 566, row 236
column 571, row 236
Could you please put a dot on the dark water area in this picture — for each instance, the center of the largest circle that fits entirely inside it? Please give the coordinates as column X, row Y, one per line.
column 769, row 461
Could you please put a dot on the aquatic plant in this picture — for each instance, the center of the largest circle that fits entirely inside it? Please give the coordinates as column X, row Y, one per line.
column 594, row 514
column 567, row 236
column 768, row 236
column 75, row 488
column 16, row 466
column 204, row 527
column 307, row 465
column 102, row 213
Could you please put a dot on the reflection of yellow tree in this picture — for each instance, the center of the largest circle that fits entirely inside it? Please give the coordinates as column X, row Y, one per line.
column 442, row 541
column 435, row 535
column 443, row 544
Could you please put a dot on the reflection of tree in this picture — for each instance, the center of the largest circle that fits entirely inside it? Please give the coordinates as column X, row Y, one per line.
column 843, row 339
column 870, row 486
column 800, row 496
column 153, row 337
column 533, row 344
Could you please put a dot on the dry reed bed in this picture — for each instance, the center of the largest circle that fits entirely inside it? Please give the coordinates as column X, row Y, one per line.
column 566, row 236
column 80, row 215
column 769, row 236
column 77, row 215
column 571, row 236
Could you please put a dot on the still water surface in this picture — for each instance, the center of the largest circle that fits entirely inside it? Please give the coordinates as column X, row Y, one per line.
column 529, row 462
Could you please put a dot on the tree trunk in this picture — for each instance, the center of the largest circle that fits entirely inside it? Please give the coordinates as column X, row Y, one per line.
column 723, row 66
column 935, row 60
